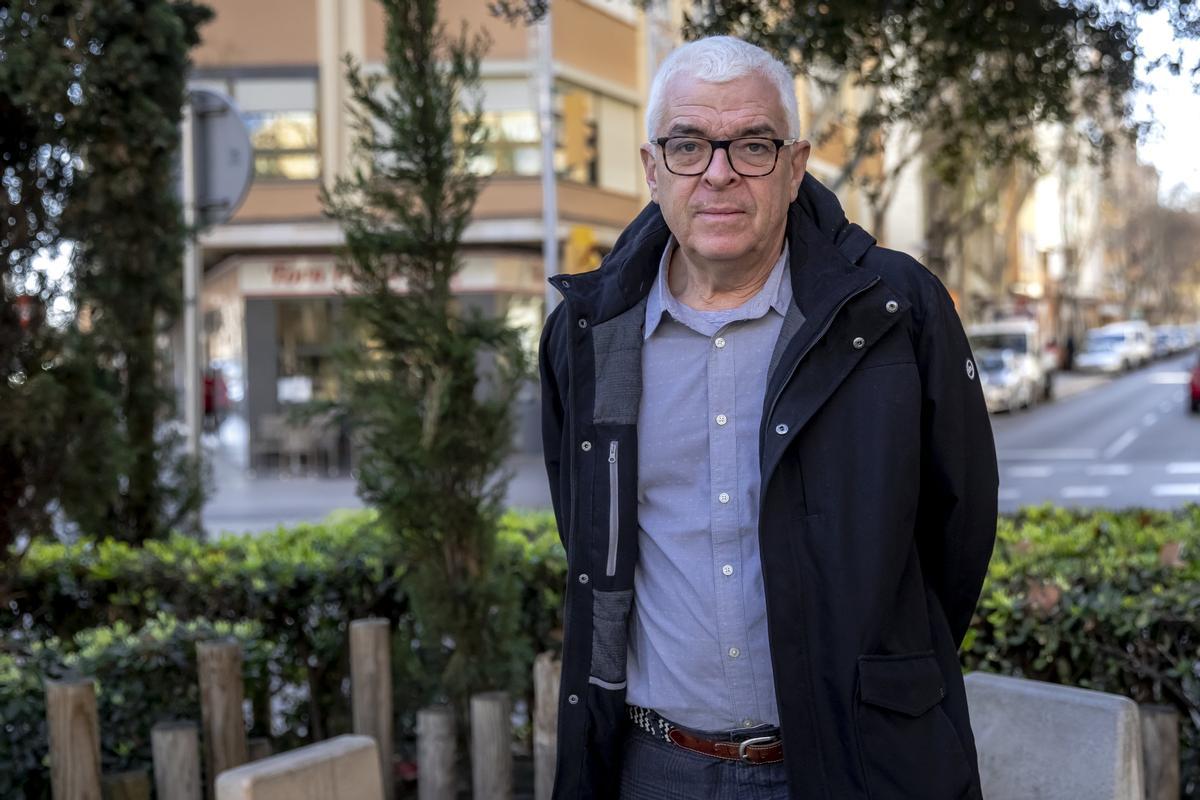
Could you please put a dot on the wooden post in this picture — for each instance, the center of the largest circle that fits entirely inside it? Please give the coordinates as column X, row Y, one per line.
column 1160, row 751
column 221, row 693
column 491, row 746
column 132, row 785
column 547, row 674
column 259, row 748
column 176, row 750
column 371, row 690
column 74, row 739
column 436, row 754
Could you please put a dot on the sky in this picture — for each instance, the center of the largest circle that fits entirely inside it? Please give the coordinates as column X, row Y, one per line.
column 1173, row 145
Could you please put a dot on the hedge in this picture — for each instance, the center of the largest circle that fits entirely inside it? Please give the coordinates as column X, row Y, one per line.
column 1097, row 599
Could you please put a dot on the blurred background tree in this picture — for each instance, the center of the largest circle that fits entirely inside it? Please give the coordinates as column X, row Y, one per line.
column 91, row 97
column 429, row 381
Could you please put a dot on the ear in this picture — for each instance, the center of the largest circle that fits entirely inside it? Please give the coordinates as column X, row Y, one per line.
column 650, row 166
column 799, row 162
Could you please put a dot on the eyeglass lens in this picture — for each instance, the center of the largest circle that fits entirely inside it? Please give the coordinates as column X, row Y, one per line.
column 748, row 156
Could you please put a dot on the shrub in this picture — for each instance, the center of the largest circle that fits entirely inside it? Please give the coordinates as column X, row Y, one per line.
column 1103, row 600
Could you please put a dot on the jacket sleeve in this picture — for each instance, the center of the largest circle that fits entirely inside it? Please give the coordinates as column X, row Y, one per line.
column 552, row 371
column 956, row 510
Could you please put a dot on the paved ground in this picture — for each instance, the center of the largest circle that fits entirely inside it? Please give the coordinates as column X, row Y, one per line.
column 1102, row 442
column 1115, row 443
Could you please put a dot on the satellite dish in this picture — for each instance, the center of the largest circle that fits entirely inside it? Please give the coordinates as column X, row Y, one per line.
column 223, row 156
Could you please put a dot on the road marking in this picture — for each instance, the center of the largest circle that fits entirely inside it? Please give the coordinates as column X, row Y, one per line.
column 1170, row 378
column 1149, row 419
column 1031, row 471
column 1008, row 494
column 1115, row 470
column 1058, row 454
column 1184, row 468
column 1176, row 490
column 1124, row 440
column 1076, row 492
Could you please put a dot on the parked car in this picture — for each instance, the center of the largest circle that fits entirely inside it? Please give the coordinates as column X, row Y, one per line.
column 1116, row 347
column 1194, row 388
column 1031, row 360
column 1007, row 384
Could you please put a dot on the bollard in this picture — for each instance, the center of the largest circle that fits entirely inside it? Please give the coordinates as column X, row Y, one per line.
column 176, row 751
column 436, row 754
column 219, row 664
column 547, row 674
column 74, row 739
column 491, row 746
column 371, row 690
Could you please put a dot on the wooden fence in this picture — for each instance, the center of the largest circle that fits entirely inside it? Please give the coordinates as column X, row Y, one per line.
column 255, row 774
column 219, row 742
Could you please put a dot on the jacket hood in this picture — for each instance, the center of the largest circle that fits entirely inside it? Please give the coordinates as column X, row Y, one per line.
column 626, row 274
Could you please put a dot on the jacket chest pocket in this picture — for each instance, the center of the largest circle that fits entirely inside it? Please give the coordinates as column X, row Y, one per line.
column 612, row 511
column 614, row 508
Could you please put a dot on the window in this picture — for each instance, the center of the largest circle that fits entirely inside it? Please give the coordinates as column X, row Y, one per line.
column 597, row 139
column 285, row 144
column 281, row 114
column 514, row 144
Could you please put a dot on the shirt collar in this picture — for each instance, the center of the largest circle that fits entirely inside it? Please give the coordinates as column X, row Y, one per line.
column 777, row 289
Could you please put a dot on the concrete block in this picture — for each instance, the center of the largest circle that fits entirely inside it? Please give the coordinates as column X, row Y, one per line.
column 1052, row 742
column 345, row 768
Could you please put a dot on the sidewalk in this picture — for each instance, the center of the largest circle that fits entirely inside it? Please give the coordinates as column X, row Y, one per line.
column 244, row 503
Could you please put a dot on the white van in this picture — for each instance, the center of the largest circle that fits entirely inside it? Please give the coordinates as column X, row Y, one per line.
column 1116, row 347
column 1028, row 372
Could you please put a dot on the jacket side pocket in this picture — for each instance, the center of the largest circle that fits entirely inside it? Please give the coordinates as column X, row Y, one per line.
column 909, row 746
column 610, row 637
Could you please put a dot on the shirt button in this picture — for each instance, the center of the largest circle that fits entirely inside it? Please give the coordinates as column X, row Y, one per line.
column 722, row 419
column 727, row 570
column 719, row 342
column 734, row 652
column 747, row 723
column 723, row 497
column 585, row 446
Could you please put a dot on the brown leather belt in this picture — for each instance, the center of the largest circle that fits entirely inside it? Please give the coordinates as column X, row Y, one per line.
column 751, row 750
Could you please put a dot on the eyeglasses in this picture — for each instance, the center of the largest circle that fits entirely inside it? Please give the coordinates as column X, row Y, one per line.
column 750, row 156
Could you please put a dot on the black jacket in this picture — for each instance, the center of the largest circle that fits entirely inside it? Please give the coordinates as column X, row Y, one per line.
column 877, row 518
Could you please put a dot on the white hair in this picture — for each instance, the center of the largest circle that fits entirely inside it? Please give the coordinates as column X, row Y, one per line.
column 720, row 59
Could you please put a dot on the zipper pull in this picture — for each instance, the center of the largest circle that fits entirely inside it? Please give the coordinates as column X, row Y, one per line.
column 612, row 452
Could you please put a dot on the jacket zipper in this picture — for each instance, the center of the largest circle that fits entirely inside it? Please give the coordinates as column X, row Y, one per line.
column 811, row 344
column 613, row 509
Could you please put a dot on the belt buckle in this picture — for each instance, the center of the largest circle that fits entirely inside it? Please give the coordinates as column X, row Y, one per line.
column 743, row 756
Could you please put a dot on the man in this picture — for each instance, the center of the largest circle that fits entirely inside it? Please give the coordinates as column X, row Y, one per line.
column 774, row 476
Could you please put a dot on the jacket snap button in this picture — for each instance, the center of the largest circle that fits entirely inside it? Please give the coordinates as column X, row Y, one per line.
column 892, row 306
column 583, row 578
column 573, row 699
column 586, row 446
column 583, row 323
column 859, row 342
column 565, row 283
column 781, row 429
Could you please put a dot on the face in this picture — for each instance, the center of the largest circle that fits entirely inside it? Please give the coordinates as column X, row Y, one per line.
column 720, row 217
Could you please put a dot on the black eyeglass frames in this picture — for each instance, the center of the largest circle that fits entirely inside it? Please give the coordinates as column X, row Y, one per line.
column 750, row 156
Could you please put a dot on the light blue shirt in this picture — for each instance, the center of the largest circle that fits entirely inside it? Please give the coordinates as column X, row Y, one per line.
column 698, row 648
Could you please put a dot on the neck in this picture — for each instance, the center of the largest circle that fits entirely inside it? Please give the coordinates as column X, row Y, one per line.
column 708, row 285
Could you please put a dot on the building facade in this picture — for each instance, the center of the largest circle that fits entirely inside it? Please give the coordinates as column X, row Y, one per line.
column 271, row 289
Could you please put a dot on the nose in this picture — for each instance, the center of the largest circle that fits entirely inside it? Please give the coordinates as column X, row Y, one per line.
column 720, row 169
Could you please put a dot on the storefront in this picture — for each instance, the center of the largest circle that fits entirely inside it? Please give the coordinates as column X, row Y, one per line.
column 273, row 327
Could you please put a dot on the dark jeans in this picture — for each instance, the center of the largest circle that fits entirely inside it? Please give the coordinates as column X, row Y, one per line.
column 655, row 769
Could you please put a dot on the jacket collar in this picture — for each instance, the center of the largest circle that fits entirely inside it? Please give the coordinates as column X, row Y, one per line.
column 824, row 247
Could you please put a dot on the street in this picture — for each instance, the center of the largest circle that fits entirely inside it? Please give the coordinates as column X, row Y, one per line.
column 1129, row 441
column 1103, row 443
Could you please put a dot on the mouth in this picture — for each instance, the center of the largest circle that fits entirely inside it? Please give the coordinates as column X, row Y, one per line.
column 719, row 213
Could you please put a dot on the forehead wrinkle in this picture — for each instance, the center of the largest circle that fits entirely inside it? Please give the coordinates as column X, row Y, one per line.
column 753, row 123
